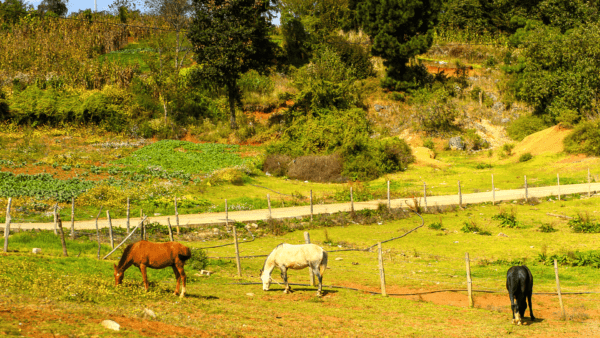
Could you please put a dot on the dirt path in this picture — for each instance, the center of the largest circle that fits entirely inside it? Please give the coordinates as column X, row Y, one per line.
column 263, row 214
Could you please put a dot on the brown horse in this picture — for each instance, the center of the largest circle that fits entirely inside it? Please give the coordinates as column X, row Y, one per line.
column 156, row 256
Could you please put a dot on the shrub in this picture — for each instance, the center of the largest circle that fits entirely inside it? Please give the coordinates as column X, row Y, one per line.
column 525, row 157
column 481, row 165
column 435, row 226
column 317, row 168
column 253, row 82
column 428, row 143
column 524, row 126
column 547, row 228
column 471, row 226
column 507, row 220
column 198, row 261
column 583, row 224
column 277, row 164
column 585, row 138
column 507, row 148
column 473, row 141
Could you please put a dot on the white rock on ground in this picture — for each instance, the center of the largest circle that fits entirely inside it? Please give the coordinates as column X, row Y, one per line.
column 36, row 250
column 109, row 324
column 150, row 313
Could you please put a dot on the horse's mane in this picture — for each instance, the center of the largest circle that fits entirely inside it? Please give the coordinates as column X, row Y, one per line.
column 125, row 255
column 265, row 263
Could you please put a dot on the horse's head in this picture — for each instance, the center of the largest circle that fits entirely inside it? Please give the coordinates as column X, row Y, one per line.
column 118, row 275
column 266, row 279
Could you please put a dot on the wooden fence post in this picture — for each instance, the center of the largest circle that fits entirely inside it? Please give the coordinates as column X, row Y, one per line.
column 562, row 307
column 469, row 281
column 110, row 230
column 589, row 184
column 72, row 218
column 170, row 230
column 226, row 215
column 55, row 219
column 351, row 201
column 388, row 196
column 143, row 228
column 176, row 218
column 98, row 231
column 269, row 204
column 425, row 195
column 7, row 224
column 237, row 253
column 311, row 206
column 459, row 195
column 526, row 191
column 493, row 191
column 381, row 271
column 127, row 214
column 558, row 185
column 126, row 238
column 312, row 277
column 62, row 238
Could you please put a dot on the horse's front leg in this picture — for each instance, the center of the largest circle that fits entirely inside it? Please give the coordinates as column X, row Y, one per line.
column 285, row 279
column 144, row 276
column 177, row 277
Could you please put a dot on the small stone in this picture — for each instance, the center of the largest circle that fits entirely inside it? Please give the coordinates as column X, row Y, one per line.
column 36, row 250
column 455, row 242
column 502, row 235
column 531, row 247
column 109, row 324
column 338, row 258
column 150, row 313
column 250, row 294
column 205, row 272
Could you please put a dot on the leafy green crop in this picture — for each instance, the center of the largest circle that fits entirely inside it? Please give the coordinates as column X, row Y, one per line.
column 184, row 157
column 41, row 186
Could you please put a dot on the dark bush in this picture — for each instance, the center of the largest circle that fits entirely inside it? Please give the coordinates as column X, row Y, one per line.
column 317, row 168
column 277, row 164
column 583, row 223
column 524, row 126
column 525, row 157
column 585, row 139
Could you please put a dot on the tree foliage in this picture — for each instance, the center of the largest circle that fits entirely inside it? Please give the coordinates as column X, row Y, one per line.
column 559, row 74
column 399, row 30
column 229, row 39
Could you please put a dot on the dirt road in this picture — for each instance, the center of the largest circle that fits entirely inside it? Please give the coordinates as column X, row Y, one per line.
column 263, row 214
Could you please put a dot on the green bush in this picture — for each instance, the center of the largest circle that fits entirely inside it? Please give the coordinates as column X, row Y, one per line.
column 428, row 143
column 547, row 228
column 473, row 141
column 585, row 138
column 583, row 224
column 507, row 220
column 471, row 226
column 525, row 157
column 253, row 82
column 481, row 165
column 524, row 126
column 507, row 149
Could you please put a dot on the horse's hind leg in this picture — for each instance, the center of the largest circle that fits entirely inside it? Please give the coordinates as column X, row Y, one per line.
column 317, row 273
column 181, row 278
column 177, row 277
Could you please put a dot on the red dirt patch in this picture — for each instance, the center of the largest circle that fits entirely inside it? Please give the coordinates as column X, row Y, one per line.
column 573, row 158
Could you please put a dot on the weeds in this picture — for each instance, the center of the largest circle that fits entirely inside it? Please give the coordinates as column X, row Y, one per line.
column 583, row 224
column 507, row 220
column 472, row 227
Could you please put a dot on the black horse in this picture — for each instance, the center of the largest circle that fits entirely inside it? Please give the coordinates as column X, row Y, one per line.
column 519, row 283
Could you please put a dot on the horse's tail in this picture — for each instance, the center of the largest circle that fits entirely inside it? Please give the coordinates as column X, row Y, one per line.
column 323, row 264
column 185, row 254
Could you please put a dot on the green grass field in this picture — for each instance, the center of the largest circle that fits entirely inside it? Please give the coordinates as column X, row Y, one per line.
column 78, row 288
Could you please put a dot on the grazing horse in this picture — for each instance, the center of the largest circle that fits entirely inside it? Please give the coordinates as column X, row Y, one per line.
column 145, row 254
column 288, row 256
column 519, row 283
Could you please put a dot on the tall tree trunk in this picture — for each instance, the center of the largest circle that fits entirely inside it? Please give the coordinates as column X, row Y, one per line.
column 231, row 88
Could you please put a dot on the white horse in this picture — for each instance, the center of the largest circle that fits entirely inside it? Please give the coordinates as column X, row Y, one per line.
column 289, row 256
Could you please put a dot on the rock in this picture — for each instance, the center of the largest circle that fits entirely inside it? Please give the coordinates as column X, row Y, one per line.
column 502, row 235
column 150, row 313
column 216, row 231
column 109, row 324
column 456, row 143
column 378, row 107
column 250, row 294
column 498, row 107
column 338, row 258
column 36, row 250
column 254, row 225
column 205, row 272
column 505, row 120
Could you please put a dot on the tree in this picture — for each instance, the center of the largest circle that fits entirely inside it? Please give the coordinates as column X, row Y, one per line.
column 399, row 30
column 177, row 14
column 12, row 10
column 229, row 38
column 58, row 7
